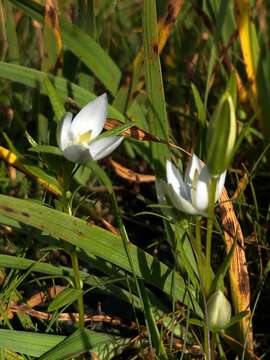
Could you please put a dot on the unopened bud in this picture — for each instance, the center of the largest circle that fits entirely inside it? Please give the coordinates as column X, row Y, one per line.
column 219, row 311
column 221, row 136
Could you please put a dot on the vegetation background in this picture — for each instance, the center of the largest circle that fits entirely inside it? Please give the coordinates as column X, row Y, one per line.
column 115, row 277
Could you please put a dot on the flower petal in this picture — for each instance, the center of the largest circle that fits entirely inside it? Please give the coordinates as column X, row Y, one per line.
column 63, row 131
column 180, row 203
column 174, row 178
column 200, row 191
column 220, row 185
column 103, row 147
column 77, row 153
column 92, row 118
column 193, row 165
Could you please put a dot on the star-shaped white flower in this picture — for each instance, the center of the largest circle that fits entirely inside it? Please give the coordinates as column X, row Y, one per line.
column 77, row 135
column 191, row 194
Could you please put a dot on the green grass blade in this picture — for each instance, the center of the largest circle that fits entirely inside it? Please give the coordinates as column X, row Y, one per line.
column 56, row 102
column 67, row 296
column 96, row 241
column 152, row 326
column 158, row 122
column 81, row 45
column 13, row 52
column 80, row 341
column 94, row 57
column 35, row 78
column 28, row 343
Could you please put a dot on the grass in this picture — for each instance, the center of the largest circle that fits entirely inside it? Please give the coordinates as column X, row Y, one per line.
column 91, row 261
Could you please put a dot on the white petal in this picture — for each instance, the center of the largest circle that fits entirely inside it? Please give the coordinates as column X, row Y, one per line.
column 180, row 203
column 200, row 192
column 92, row 118
column 220, row 185
column 103, row 147
column 174, row 178
column 63, row 131
column 77, row 153
column 193, row 165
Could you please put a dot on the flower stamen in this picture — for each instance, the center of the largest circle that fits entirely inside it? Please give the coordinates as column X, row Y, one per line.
column 83, row 139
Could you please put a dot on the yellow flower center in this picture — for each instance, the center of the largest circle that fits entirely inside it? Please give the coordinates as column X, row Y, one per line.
column 83, row 139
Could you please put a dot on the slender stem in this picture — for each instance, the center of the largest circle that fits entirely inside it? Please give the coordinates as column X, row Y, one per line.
column 210, row 222
column 207, row 343
column 76, row 270
column 199, row 248
column 75, row 266
column 208, row 272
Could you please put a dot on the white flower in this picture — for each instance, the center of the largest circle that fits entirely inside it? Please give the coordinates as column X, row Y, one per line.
column 76, row 136
column 191, row 194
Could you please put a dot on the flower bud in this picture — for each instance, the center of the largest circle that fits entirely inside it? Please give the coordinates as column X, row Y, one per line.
column 221, row 136
column 219, row 311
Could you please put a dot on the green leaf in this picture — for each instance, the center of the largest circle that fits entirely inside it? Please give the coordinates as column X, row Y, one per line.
column 104, row 284
column 158, row 122
column 152, row 326
column 47, row 149
column 115, row 131
column 92, row 55
column 35, row 78
column 34, row 170
column 80, row 341
column 199, row 106
column 67, row 296
column 56, row 103
column 99, row 242
column 81, row 45
column 56, row 347
column 235, row 319
column 13, row 48
column 218, row 282
column 28, row 343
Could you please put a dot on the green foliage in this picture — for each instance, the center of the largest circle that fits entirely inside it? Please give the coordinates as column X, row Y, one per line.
column 144, row 283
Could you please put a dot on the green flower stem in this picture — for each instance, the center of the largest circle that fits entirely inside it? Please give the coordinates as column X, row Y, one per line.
column 76, row 270
column 210, row 222
column 74, row 259
column 207, row 341
column 199, row 250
